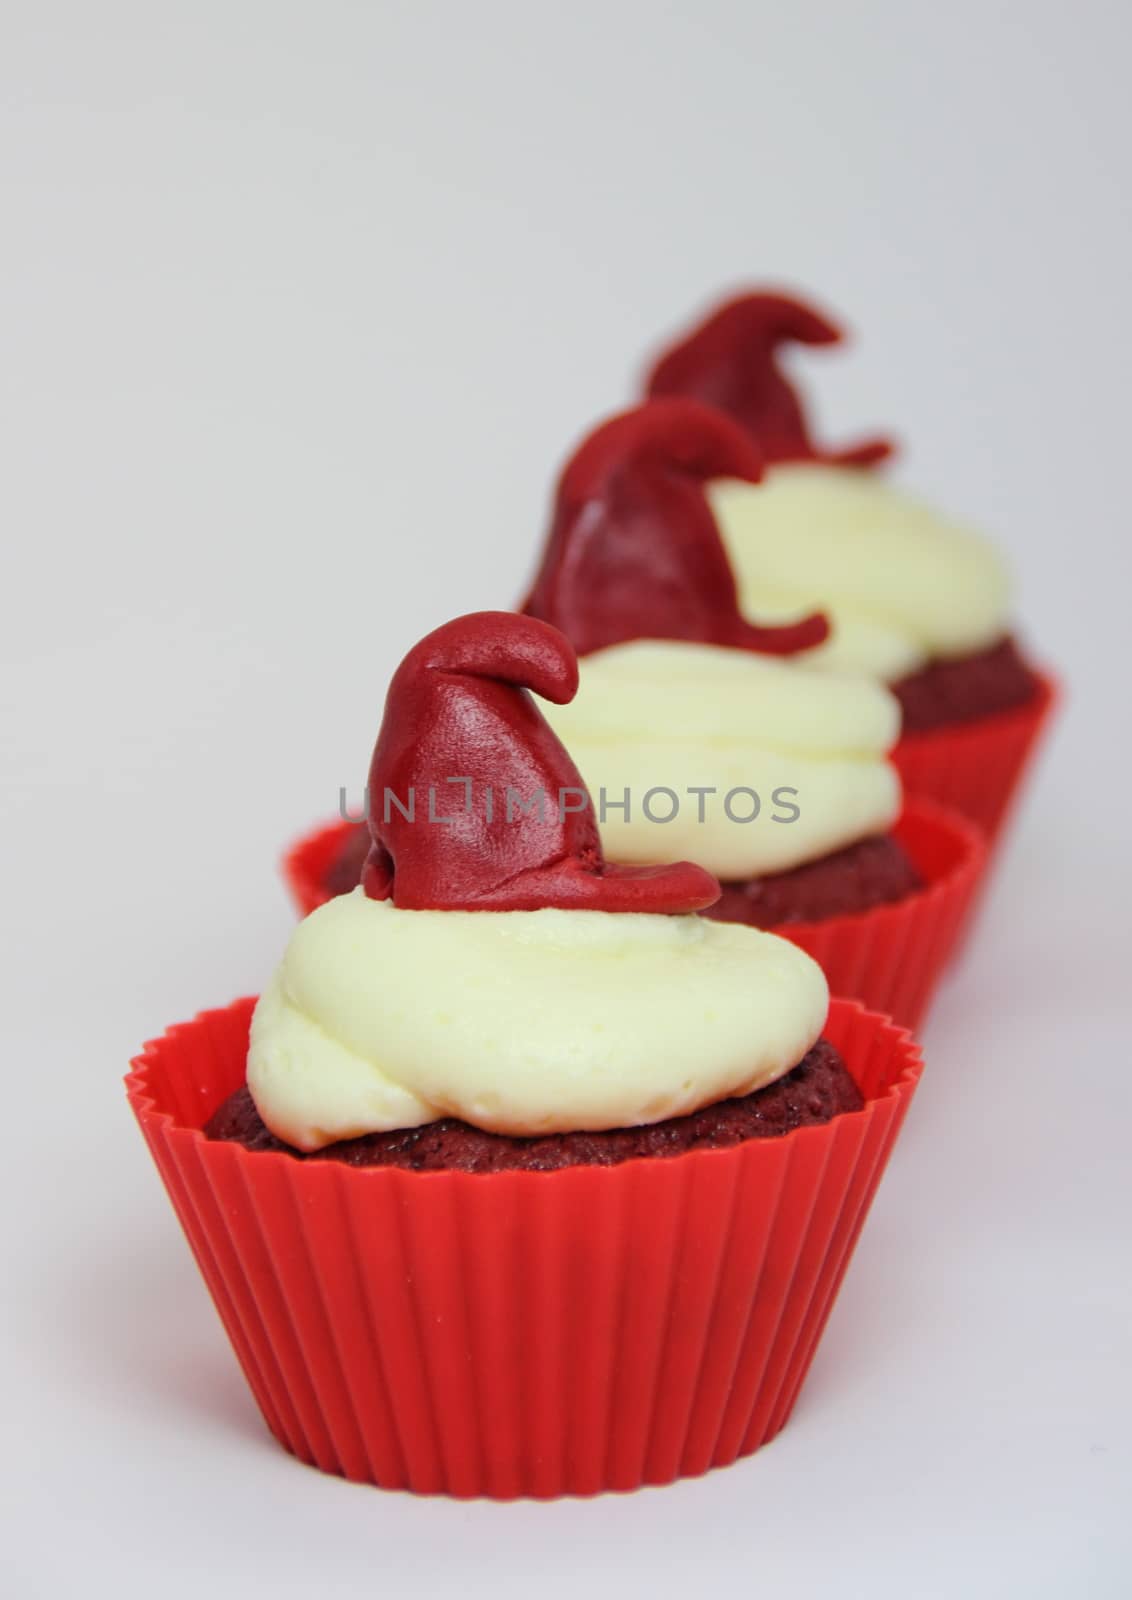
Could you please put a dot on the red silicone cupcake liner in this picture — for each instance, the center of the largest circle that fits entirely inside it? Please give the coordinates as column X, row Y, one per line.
column 977, row 768
column 522, row 1333
column 891, row 957
column 309, row 861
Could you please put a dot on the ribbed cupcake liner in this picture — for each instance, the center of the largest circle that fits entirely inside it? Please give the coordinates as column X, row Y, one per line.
column 892, row 957
column 521, row 1333
column 977, row 768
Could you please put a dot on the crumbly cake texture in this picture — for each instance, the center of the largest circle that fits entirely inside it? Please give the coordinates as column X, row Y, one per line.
column 948, row 692
column 819, row 1088
column 871, row 872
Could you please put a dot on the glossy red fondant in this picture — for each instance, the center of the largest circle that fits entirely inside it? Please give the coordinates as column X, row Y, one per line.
column 474, row 803
column 634, row 551
column 731, row 361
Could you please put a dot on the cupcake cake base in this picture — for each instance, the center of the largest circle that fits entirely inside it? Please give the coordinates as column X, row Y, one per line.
column 819, row 1087
column 872, row 872
column 963, row 690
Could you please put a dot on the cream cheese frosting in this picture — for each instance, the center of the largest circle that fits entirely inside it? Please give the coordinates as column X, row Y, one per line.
column 521, row 1022
column 900, row 584
column 666, row 715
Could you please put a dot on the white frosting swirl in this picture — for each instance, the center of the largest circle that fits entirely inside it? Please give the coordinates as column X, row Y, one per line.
column 899, row 584
column 664, row 714
column 521, row 1022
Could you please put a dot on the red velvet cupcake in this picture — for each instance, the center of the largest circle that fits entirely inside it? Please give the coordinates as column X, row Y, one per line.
column 505, row 1106
column 700, row 733
column 912, row 598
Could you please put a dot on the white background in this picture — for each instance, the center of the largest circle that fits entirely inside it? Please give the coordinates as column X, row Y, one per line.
column 303, row 304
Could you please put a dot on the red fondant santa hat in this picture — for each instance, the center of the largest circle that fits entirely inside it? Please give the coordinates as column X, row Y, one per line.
column 731, row 361
column 634, row 551
column 474, row 803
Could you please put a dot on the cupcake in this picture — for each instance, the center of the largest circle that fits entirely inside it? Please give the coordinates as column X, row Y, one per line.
column 705, row 734
column 912, row 598
column 701, row 733
column 521, row 1178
